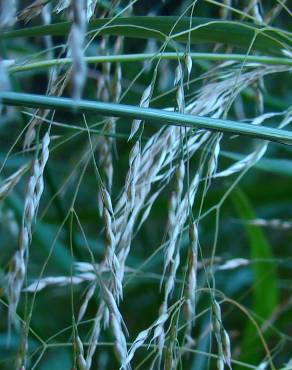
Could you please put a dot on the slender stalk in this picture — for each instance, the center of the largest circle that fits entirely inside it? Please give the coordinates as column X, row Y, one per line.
column 160, row 116
column 152, row 56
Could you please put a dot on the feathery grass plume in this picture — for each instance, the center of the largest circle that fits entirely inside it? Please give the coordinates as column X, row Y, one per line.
column 7, row 13
column 76, row 47
column 16, row 274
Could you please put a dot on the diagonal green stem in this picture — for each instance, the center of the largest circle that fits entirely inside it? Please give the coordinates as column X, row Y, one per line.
column 159, row 116
column 152, row 56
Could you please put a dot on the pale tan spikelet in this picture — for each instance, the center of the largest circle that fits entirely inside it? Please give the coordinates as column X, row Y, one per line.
column 178, row 82
column 110, row 257
column 220, row 364
column 55, row 281
column 144, row 103
column 116, row 324
column 172, row 213
column 191, row 287
column 132, row 175
column 81, row 363
column 94, row 335
column 89, row 294
column 234, row 263
column 105, row 156
column 32, row 198
column 221, row 335
column 213, row 162
column 15, row 278
column 226, row 347
column 189, row 66
column 143, row 335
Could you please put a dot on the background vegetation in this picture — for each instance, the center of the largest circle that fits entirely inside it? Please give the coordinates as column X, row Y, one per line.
column 173, row 239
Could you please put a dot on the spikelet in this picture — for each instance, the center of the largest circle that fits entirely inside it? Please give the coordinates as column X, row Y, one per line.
column 80, row 360
column 172, row 212
column 190, row 291
column 143, row 335
column 189, row 66
column 144, row 103
column 178, row 83
column 222, row 337
column 94, row 335
column 132, row 175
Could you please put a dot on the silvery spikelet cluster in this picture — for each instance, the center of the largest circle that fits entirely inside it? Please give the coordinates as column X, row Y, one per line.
column 34, row 192
column 152, row 166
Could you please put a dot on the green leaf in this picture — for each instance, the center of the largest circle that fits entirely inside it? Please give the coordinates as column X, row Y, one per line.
column 157, row 115
column 264, row 290
column 204, row 30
